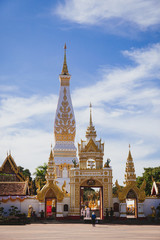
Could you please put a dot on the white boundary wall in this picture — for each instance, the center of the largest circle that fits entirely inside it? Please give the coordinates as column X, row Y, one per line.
column 22, row 206
column 148, row 203
column 37, row 206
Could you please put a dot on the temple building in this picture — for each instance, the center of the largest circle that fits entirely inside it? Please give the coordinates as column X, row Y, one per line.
column 91, row 176
column 76, row 185
column 130, row 199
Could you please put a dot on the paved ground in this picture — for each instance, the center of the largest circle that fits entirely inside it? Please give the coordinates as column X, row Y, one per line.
column 79, row 231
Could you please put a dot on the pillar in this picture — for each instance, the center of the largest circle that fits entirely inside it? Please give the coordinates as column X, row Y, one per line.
column 59, row 211
column 140, row 210
column 41, row 206
column 123, row 210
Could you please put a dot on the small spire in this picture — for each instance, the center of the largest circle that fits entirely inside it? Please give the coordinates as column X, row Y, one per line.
column 91, row 129
column 129, row 154
column 90, row 106
column 65, row 68
column 51, row 154
column 130, row 175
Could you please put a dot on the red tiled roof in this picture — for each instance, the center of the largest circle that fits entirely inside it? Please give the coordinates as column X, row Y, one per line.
column 13, row 188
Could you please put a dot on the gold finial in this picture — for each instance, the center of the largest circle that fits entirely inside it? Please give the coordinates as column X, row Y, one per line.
column 51, row 155
column 65, row 68
column 129, row 146
column 90, row 106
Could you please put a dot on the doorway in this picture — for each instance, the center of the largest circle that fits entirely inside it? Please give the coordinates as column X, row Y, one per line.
column 131, row 201
column 91, row 201
column 50, row 205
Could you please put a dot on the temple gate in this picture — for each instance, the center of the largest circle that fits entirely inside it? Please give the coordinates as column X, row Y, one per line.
column 90, row 174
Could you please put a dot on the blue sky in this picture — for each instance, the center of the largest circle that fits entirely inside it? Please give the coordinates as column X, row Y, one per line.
column 113, row 55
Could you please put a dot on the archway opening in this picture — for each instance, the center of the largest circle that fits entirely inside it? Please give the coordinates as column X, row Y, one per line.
column 131, row 201
column 91, row 201
column 50, row 204
column 91, row 164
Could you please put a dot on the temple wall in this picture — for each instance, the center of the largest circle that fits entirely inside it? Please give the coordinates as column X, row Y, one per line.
column 150, row 201
column 37, row 206
column 22, row 206
column 116, row 200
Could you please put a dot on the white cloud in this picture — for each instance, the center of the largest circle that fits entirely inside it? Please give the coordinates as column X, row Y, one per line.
column 142, row 13
column 16, row 110
column 21, row 130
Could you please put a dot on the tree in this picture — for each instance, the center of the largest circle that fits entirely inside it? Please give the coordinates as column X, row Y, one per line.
column 26, row 172
column 114, row 189
column 40, row 174
column 148, row 174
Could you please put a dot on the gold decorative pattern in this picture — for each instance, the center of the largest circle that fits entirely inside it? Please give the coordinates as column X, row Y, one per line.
column 140, row 192
column 64, row 124
column 62, row 166
column 56, row 191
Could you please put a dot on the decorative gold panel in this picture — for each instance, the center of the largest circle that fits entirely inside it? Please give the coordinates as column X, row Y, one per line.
column 64, row 124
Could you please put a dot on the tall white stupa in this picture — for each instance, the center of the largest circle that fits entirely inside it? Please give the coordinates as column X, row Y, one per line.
column 64, row 129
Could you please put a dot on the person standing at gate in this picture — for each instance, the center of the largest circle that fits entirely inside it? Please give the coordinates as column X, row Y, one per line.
column 93, row 219
column 107, row 213
column 82, row 213
column 111, row 214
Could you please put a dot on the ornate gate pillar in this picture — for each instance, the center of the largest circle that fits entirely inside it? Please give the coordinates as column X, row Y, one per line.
column 41, row 206
column 123, row 210
column 141, row 210
column 59, row 211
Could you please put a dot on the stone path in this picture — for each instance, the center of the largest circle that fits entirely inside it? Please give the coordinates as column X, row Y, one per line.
column 79, row 232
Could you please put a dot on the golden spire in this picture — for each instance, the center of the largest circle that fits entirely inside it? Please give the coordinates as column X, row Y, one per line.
column 65, row 68
column 51, row 169
column 51, row 155
column 91, row 133
column 90, row 114
column 130, row 175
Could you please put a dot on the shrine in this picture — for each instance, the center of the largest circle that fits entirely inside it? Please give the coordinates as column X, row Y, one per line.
column 90, row 181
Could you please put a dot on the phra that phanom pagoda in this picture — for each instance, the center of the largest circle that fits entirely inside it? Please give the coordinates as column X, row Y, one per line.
column 64, row 150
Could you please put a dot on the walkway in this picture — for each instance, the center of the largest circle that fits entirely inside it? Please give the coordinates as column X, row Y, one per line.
column 67, row 231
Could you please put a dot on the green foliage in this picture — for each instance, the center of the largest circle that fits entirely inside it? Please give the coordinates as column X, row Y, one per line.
column 26, row 172
column 13, row 211
column 40, row 174
column 2, row 212
column 147, row 175
column 114, row 189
